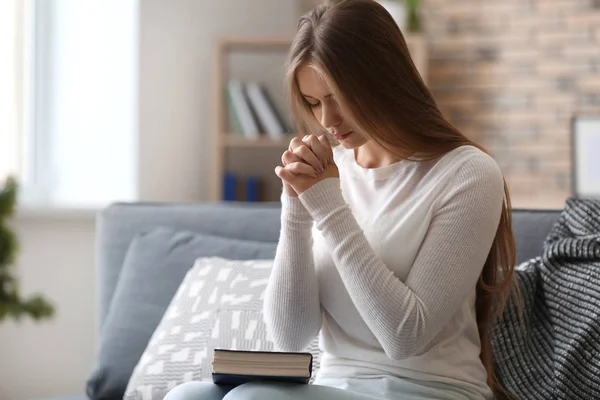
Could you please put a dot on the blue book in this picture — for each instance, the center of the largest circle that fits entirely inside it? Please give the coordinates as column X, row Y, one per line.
column 236, row 367
column 252, row 189
column 229, row 187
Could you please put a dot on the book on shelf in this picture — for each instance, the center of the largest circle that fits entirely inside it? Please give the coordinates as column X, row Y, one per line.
column 233, row 122
column 252, row 186
column 235, row 367
column 251, row 111
column 229, row 186
column 240, row 188
column 241, row 108
column 264, row 110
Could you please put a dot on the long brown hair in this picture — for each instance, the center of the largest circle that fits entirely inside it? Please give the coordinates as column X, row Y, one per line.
column 361, row 54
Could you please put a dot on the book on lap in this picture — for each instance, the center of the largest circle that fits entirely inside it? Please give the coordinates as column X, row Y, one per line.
column 235, row 367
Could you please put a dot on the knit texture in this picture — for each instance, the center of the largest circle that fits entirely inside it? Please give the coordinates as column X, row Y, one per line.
column 388, row 272
column 552, row 350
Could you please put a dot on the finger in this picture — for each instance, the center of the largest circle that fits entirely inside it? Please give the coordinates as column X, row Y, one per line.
column 286, row 174
column 282, row 173
column 300, row 168
column 317, row 147
column 308, row 156
column 289, row 157
column 327, row 145
column 295, row 143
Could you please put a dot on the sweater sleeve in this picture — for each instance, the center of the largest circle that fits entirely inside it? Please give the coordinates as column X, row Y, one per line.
column 406, row 316
column 291, row 307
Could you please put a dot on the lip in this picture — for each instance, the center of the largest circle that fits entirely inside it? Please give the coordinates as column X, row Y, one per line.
column 343, row 136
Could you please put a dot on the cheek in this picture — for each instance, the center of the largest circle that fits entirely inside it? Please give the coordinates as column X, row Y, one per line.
column 316, row 112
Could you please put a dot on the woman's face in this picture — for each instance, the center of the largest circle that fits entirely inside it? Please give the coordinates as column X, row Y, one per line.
column 326, row 110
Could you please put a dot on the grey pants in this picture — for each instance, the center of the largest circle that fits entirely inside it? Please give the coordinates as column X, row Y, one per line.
column 262, row 391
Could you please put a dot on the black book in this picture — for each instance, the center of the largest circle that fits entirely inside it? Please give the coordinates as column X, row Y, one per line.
column 235, row 367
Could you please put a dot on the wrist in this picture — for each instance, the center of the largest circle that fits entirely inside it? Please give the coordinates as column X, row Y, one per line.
column 323, row 198
column 293, row 209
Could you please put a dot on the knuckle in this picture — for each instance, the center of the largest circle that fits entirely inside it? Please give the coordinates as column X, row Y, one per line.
column 308, row 138
column 301, row 149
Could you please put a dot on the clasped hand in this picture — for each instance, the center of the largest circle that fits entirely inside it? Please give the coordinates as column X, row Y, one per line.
column 307, row 161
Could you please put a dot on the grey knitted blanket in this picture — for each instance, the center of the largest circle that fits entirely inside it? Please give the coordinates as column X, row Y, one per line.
column 553, row 352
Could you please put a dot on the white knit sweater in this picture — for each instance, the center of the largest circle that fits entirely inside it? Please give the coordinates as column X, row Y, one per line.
column 384, row 263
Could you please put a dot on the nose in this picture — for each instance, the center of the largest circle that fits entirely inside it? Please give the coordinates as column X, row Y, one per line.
column 330, row 115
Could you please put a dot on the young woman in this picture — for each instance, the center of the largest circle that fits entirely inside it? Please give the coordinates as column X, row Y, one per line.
column 396, row 245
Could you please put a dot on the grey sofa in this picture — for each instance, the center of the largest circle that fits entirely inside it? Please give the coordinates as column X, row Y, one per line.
column 118, row 224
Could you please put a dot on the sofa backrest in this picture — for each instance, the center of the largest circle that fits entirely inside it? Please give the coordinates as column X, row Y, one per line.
column 530, row 228
column 118, row 224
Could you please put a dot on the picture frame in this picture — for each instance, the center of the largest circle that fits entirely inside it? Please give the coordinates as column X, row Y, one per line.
column 585, row 161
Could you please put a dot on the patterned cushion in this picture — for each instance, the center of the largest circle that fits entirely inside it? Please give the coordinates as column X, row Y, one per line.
column 218, row 305
column 154, row 267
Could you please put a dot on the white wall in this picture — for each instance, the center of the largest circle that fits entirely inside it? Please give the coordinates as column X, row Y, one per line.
column 54, row 358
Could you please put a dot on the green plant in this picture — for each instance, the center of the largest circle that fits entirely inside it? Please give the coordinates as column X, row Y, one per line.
column 11, row 303
column 413, row 8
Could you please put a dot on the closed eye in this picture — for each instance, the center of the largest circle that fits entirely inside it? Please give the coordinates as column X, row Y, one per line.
column 312, row 102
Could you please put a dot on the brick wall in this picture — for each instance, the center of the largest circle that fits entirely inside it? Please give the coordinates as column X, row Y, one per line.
column 510, row 74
